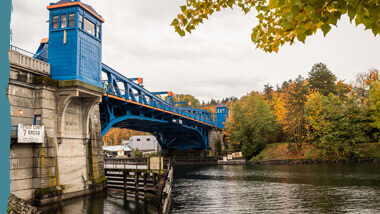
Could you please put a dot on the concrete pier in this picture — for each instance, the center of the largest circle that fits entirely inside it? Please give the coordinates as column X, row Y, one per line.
column 69, row 161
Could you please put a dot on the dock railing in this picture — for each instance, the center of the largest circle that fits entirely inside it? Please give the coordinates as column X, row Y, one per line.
column 150, row 164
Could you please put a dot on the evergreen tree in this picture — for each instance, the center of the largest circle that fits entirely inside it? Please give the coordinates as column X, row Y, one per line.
column 322, row 79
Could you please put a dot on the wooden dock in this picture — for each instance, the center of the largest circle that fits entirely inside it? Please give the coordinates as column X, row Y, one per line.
column 146, row 177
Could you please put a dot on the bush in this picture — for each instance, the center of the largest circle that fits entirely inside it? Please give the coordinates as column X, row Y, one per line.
column 137, row 153
column 218, row 147
column 250, row 150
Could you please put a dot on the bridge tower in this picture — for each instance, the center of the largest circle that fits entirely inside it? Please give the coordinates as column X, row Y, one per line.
column 75, row 42
column 221, row 115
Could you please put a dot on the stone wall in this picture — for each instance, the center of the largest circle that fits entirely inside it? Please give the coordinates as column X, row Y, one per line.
column 71, row 154
column 213, row 136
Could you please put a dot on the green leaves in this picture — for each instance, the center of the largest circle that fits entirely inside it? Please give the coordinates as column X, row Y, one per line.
column 183, row 8
column 301, row 37
column 181, row 33
column 284, row 20
column 253, row 124
column 325, row 29
column 336, row 125
column 175, row 22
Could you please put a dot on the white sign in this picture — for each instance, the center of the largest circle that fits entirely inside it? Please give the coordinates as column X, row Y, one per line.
column 237, row 155
column 30, row 133
column 120, row 152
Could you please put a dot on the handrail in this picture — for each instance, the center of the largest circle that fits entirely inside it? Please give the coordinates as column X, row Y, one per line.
column 119, row 163
column 27, row 53
column 15, row 48
column 110, row 89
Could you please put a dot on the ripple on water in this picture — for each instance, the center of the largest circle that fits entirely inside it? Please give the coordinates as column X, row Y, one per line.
column 277, row 189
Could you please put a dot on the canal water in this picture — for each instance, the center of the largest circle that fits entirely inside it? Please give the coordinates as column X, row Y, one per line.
column 314, row 188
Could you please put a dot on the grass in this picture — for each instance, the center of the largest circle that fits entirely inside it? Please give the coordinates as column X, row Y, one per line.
column 290, row 151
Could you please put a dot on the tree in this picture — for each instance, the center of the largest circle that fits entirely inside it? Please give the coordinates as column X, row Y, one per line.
column 342, row 89
column 295, row 96
column 268, row 91
column 115, row 136
column 283, row 21
column 322, row 79
column 337, row 125
column 252, row 125
column 363, row 83
column 374, row 96
column 278, row 108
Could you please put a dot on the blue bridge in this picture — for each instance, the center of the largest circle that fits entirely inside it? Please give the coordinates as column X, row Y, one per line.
column 74, row 52
column 127, row 104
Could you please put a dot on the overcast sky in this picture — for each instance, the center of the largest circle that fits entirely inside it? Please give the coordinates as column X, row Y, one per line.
column 217, row 60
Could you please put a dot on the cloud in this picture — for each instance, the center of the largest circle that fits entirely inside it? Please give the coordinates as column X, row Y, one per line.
column 217, row 60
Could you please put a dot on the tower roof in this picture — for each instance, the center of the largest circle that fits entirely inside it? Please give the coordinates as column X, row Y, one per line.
column 67, row 3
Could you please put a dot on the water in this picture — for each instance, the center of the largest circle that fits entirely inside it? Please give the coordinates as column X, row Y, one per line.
column 316, row 188
column 100, row 203
column 319, row 188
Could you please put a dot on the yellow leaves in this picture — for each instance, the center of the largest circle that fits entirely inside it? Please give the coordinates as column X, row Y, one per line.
column 273, row 4
column 180, row 16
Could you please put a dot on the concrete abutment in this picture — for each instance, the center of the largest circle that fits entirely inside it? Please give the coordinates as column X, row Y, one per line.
column 69, row 162
column 215, row 135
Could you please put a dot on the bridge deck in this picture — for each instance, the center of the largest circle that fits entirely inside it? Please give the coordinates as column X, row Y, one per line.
column 176, row 111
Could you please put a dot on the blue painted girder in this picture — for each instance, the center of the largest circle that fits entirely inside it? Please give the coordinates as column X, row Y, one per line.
column 128, row 105
column 173, row 131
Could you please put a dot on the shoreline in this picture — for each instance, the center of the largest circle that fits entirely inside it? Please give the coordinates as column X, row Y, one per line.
column 311, row 161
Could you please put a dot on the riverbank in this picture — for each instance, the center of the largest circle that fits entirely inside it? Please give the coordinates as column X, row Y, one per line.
column 19, row 206
column 290, row 153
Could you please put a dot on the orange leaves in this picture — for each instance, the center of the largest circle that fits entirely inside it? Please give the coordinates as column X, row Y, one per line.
column 115, row 136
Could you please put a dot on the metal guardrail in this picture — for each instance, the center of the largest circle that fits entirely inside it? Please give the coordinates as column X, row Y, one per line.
column 23, row 51
column 146, row 97
column 146, row 100
column 25, row 59
column 136, row 93
column 27, row 53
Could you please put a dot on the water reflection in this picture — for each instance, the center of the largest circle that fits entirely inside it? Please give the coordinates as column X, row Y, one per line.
column 324, row 188
column 103, row 203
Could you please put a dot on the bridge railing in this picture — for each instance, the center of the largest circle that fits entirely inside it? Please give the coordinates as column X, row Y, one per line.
column 27, row 53
column 146, row 100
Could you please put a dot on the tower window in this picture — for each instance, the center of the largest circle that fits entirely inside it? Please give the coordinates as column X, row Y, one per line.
column 80, row 21
column 89, row 27
column 55, row 22
column 98, row 32
column 63, row 21
column 71, row 20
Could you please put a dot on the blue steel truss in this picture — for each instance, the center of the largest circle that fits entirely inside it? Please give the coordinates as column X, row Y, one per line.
column 128, row 105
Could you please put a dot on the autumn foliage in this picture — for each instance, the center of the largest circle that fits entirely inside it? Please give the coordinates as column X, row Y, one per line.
column 318, row 112
column 115, row 136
